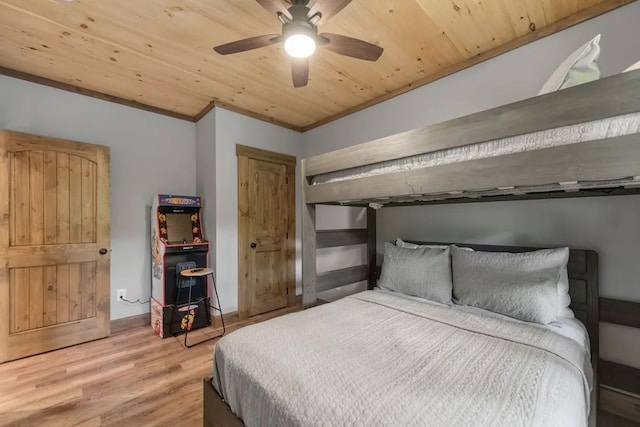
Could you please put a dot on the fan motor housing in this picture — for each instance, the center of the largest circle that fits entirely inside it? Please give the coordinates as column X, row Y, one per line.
column 299, row 23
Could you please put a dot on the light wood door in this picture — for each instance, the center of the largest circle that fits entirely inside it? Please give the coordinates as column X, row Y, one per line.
column 54, row 224
column 266, row 231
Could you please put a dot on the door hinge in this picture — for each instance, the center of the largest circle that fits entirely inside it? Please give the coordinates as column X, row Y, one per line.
column 287, row 236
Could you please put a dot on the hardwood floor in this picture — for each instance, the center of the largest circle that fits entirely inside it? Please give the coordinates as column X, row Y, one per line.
column 131, row 378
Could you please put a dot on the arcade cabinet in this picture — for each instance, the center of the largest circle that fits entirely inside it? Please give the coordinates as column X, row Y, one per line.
column 178, row 244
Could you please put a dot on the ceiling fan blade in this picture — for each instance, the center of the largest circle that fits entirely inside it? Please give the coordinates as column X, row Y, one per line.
column 300, row 72
column 354, row 48
column 275, row 6
column 327, row 8
column 247, row 44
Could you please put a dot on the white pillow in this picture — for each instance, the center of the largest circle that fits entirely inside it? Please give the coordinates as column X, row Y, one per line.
column 402, row 244
column 521, row 285
column 421, row 272
column 564, row 299
column 580, row 67
column 635, row 66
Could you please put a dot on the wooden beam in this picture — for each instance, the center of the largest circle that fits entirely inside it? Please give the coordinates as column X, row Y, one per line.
column 92, row 93
column 587, row 161
column 346, row 237
column 621, row 313
column 344, row 276
column 569, row 21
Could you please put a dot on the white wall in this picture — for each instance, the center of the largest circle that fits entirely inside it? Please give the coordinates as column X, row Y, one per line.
column 610, row 225
column 231, row 129
column 150, row 154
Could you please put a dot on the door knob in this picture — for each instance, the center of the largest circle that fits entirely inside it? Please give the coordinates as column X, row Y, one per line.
column 253, row 245
column 103, row 251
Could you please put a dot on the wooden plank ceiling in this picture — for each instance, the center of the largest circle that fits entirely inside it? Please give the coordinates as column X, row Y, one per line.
column 158, row 53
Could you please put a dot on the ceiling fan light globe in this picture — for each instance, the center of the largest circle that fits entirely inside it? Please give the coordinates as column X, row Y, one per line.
column 300, row 45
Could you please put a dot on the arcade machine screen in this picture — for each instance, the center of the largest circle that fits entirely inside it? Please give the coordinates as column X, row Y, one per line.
column 179, row 228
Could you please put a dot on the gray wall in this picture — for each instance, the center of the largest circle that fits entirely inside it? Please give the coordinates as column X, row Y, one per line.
column 218, row 149
column 149, row 154
column 609, row 225
column 206, row 177
column 153, row 154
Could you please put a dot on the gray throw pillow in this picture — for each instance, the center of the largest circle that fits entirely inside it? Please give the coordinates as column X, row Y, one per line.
column 421, row 272
column 520, row 285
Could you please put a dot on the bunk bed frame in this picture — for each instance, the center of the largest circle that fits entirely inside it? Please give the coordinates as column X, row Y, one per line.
column 568, row 165
column 464, row 182
column 589, row 161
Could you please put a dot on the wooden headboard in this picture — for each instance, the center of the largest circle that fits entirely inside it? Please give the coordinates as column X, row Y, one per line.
column 583, row 285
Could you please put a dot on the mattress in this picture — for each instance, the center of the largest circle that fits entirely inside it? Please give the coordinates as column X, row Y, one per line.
column 574, row 134
column 376, row 358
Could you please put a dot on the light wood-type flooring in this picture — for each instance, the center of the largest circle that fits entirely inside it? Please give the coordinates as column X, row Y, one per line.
column 132, row 378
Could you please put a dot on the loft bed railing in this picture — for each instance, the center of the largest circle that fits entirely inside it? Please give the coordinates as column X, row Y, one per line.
column 315, row 283
column 593, row 166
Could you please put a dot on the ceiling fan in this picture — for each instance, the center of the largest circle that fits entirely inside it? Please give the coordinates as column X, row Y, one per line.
column 300, row 35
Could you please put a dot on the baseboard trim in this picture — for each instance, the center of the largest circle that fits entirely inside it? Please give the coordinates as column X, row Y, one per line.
column 144, row 319
column 126, row 323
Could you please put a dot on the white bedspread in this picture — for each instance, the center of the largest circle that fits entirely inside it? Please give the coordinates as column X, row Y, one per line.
column 375, row 358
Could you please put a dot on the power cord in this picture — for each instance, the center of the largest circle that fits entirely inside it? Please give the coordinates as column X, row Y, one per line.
column 134, row 302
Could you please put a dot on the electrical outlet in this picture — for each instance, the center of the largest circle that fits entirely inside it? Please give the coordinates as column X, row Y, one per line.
column 121, row 294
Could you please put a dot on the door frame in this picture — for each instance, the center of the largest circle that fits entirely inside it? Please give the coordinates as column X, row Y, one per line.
column 244, row 153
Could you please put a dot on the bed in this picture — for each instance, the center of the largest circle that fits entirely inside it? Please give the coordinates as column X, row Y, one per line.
column 383, row 358
column 580, row 141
